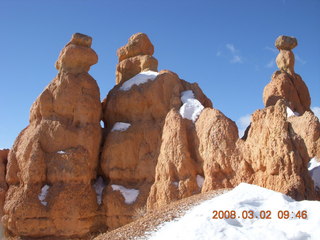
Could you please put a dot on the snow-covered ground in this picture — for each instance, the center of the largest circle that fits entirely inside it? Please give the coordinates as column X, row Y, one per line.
column 138, row 79
column 198, row 222
column 191, row 107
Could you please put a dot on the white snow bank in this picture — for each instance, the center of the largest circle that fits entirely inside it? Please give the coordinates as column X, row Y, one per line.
column 130, row 195
column 291, row 113
column 138, row 79
column 191, row 107
column 197, row 223
column 43, row 194
column 99, row 185
column 120, row 126
column 61, row 152
column 200, row 181
column 314, row 170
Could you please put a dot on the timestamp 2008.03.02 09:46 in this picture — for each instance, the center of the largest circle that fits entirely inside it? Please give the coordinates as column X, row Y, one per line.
column 263, row 214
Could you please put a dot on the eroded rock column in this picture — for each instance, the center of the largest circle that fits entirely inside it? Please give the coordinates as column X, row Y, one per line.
column 53, row 162
column 285, row 83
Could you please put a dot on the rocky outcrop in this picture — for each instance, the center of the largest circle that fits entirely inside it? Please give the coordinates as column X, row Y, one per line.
column 53, row 162
column 209, row 155
column 276, row 156
column 3, row 183
column 286, row 84
column 135, row 57
column 307, row 127
column 129, row 156
column 162, row 141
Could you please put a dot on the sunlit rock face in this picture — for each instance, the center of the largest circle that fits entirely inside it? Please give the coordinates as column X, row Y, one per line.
column 53, row 161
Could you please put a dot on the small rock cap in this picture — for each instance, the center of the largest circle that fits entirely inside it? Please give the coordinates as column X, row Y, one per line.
column 81, row 40
column 286, row 43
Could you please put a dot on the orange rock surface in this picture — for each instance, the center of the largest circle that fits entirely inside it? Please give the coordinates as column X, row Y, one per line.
column 286, row 84
column 53, row 162
column 3, row 183
column 163, row 140
column 135, row 57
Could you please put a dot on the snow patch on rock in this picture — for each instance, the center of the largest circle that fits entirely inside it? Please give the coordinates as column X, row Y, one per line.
column 138, row 79
column 291, row 113
column 130, row 195
column 314, row 170
column 200, row 181
column 99, row 185
column 120, row 126
column 191, row 107
column 43, row 194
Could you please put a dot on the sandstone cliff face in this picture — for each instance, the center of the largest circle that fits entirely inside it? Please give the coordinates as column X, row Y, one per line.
column 129, row 155
column 274, row 153
column 277, row 156
column 3, row 183
column 53, row 162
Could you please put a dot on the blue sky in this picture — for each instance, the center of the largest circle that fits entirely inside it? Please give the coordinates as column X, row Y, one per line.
column 226, row 46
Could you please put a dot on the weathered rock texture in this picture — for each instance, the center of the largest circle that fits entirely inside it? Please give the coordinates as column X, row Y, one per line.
column 53, row 162
column 307, row 126
column 135, row 57
column 129, row 157
column 157, row 155
column 286, row 84
column 273, row 154
column 3, row 183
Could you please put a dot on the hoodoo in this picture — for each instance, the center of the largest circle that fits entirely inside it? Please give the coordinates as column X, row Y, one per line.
column 52, row 164
column 163, row 141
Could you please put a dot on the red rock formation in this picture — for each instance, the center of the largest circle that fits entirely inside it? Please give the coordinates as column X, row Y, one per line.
column 286, row 84
column 129, row 156
column 274, row 153
column 163, row 141
column 135, row 57
column 54, row 160
column 307, row 127
column 3, row 184
column 277, row 156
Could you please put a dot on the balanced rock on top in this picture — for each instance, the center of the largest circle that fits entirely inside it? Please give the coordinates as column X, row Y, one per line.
column 286, row 43
column 135, row 57
column 286, row 84
column 52, row 165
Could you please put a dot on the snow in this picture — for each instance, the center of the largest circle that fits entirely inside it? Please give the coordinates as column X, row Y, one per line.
column 191, row 107
column 61, row 152
column 290, row 113
column 197, row 223
column 175, row 184
column 138, row 79
column 99, row 185
column 130, row 195
column 43, row 194
column 200, row 181
column 314, row 170
column 120, row 126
